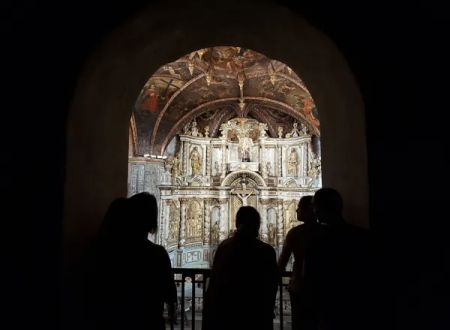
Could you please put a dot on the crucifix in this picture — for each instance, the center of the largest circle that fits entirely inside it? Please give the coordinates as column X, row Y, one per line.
column 244, row 193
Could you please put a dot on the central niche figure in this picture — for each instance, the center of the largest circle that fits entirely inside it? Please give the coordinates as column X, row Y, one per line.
column 245, row 143
column 293, row 163
column 194, row 220
column 196, row 162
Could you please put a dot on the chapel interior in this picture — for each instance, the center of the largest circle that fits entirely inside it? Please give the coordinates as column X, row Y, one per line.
column 217, row 129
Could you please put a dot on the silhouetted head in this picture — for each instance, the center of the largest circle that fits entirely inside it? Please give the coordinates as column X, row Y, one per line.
column 305, row 210
column 327, row 205
column 248, row 221
column 143, row 214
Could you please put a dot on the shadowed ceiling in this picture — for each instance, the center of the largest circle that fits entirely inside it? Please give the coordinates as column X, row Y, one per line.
column 213, row 85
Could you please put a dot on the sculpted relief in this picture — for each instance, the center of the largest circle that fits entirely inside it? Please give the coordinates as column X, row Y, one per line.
column 196, row 162
column 174, row 222
column 292, row 165
column 194, row 220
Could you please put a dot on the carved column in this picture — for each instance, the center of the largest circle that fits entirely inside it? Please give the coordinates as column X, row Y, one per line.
column 207, row 226
column 185, row 157
column 262, row 161
column 162, row 231
column 280, row 160
column 223, row 218
column 224, row 161
column 264, row 232
column 280, row 223
column 304, row 159
column 208, row 160
column 182, row 234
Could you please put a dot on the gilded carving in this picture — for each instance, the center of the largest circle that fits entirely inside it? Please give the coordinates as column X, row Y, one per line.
column 194, row 220
column 271, row 234
column 292, row 165
column 291, row 216
column 215, row 233
column 196, row 162
column 174, row 218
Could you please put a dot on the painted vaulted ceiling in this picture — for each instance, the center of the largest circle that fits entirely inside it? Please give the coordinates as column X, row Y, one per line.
column 213, row 85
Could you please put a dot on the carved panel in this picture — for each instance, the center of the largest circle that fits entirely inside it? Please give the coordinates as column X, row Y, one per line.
column 194, row 221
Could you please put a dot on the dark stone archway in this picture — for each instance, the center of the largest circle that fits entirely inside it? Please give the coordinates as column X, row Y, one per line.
column 97, row 140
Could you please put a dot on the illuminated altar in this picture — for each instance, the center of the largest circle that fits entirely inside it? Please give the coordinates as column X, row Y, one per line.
column 204, row 184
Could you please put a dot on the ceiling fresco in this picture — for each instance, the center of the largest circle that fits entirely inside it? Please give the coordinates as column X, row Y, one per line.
column 214, row 85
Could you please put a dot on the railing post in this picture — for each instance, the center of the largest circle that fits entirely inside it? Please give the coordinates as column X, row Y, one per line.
column 193, row 302
column 281, row 303
column 182, row 300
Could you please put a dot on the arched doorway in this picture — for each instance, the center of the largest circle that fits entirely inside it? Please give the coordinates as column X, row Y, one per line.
column 225, row 127
column 98, row 123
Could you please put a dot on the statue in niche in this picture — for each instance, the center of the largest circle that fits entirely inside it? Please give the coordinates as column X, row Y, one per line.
column 194, row 129
column 245, row 143
column 196, row 162
column 194, row 220
column 291, row 217
column 271, row 234
column 216, row 167
column 280, row 132
column 176, row 167
column 314, row 166
column 215, row 230
column 173, row 223
column 292, row 166
column 269, row 168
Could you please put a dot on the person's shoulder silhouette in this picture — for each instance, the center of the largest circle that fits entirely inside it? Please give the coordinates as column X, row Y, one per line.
column 133, row 276
column 335, row 264
column 244, row 275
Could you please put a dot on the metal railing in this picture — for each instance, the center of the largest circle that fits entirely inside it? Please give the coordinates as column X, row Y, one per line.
column 196, row 279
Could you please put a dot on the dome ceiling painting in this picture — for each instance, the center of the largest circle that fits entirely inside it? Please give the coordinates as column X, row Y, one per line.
column 214, row 85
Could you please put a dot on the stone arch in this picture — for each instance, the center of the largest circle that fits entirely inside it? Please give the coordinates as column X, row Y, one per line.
column 99, row 116
column 230, row 178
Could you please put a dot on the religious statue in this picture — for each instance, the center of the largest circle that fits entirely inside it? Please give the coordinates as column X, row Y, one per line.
column 269, row 168
column 194, row 129
column 280, row 132
column 186, row 129
column 173, row 222
column 215, row 231
column 245, row 144
column 194, row 220
column 216, row 167
column 262, row 129
column 206, row 131
column 292, row 166
column 175, row 167
column 304, row 130
column 294, row 132
column 271, row 234
column 314, row 169
column 196, row 162
column 243, row 193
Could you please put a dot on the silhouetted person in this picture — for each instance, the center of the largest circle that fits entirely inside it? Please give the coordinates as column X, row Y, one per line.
column 336, row 266
column 130, row 277
column 298, row 239
column 244, row 278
